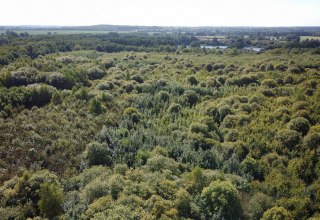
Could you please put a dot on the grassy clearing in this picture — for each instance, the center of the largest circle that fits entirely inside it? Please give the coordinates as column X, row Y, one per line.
column 303, row 38
column 219, row 37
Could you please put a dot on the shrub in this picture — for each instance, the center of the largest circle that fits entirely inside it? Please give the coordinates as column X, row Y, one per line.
column 23, row 76
column 99, row 154
column 312, row 140
column 253, row 167
column 183, row 201
column 242, row 80
column 258, row 204
column 129, row 87
column 174, row 108
column 192, row 80
column 299, row 124
column 95, row 73
column 209, row 67
column 288, row 138
column 269, row 83
column 199, row 128
column 224, row 111
column 294, row 69
column 132, row 114
column 105, row 85
column 191, row 97
column 163, row 96
column 137, row 78
column 220, row 200
column 212, row 126
column 277, row 213
column 51, row 198
column 96, row 107
column 232, row 136
column 288, row 80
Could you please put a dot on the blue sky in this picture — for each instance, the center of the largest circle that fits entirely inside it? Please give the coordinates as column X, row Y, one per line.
column 162, row 12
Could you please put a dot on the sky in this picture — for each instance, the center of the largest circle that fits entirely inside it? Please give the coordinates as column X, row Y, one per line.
column 161, row 12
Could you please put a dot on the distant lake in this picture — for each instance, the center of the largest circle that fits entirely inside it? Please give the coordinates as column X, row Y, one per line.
column 255, row 49
column 213, row 47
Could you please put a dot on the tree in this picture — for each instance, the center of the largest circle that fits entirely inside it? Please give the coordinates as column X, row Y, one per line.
column 51, row 198
column 220, row 200
column 277, row 213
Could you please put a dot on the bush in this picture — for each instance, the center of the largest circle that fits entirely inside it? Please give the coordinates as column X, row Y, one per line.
column 132, row 114
column 258, row 204
column 23, row 76
column 232, row 136
column 288, row 80
column 95, row 73
column 183, row 202
column 294, row 69
column 96, row 107
column 51, row 198
column 277, row 213
column 163, row 96
column 312, row 140
column 299, row 124
column 302, row 113
column 105, row 85
column 59, row 81
column 199, row 128
column 223, row 112
column 220, row 200
column 99, row 154
column 191, row 97
column 253, row 168
column 174, row 108
column 137, row 78
column 209, row 67
column 269, row 83
column 192, row 80
column 288, row 138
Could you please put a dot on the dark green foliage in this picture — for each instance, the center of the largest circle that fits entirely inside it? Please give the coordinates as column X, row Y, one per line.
column 312, row 141
column 258, row 204
column 174, row 108
column 299, row 124
column 191, row 97
column 192, row 80
column 220, row 200
column 96, row 106
column 278, row 213
column 288, row 138
column 51, row 198
column 95, row 73
column 253, row 167
column 99, row 154
column 209, row 67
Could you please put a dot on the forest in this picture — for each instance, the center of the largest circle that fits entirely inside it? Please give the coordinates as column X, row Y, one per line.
column 143, row 125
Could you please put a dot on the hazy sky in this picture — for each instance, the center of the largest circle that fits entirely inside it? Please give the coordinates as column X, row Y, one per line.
column 162, row 12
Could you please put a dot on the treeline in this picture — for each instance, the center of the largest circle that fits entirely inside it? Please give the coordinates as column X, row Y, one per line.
column 15, row 45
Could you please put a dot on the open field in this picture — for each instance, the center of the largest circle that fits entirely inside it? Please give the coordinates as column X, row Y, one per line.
column 303, row 38
column 219, row 37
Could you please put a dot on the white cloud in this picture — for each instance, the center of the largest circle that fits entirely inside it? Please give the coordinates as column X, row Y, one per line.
column 162, row 12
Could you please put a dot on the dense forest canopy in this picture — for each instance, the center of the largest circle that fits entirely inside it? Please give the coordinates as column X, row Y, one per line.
column 152, row 126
